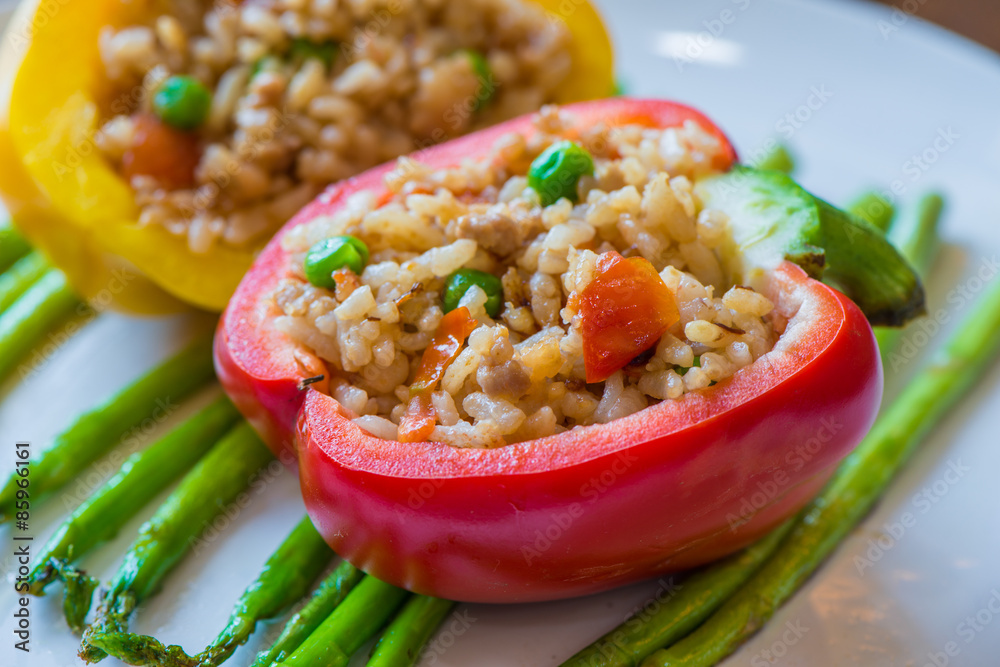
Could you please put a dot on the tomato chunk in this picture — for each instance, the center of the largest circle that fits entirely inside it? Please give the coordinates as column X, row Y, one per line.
column 418, row 421
column 624, row 311
column 161, row 152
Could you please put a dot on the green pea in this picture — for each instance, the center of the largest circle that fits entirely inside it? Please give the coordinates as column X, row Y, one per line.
column 695, row 364
column 264, row 64
column 303, row 49
column 481, row 69
column 332, row 254
column 555, row 172
column 459, row 283
column 182, row 102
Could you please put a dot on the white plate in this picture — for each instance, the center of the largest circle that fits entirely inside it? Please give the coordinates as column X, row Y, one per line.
column 891, row 86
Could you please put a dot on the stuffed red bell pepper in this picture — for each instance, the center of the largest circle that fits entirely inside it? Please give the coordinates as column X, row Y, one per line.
column 569, row 352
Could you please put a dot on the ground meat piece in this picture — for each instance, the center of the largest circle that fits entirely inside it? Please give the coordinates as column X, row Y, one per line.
column 493, row 231
column 500, row 374
column 506, row 379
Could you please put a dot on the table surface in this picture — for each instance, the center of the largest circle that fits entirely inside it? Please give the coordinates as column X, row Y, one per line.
column 975, row 19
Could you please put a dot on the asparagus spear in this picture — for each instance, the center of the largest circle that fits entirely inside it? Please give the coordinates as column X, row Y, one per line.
column 96, row 432
column 12, row 245
column 44, row 304
column 916, row 237
column 874, row 208
column 286, row 577
column 79, row 589
column 330, row 593
column 404, row 639
column 858, row 483
column 699, row 595
column 18, row 278
column 216, row 481
column 366, row 609
column 140, row 479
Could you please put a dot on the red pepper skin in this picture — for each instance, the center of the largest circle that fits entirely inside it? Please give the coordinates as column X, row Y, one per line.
column 673, row 486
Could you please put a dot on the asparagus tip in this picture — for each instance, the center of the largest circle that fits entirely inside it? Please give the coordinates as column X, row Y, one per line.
column 141, row 650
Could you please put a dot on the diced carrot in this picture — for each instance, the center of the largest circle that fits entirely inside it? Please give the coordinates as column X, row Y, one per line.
column 454, row 328
column 418, row 421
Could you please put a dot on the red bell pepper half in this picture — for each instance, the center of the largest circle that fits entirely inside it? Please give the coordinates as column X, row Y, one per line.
column 676, row 485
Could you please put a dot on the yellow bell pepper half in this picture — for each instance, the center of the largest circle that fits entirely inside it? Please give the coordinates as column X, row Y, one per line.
column 81, row 213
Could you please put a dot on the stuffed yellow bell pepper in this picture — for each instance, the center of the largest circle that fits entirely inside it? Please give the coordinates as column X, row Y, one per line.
column 151, row 147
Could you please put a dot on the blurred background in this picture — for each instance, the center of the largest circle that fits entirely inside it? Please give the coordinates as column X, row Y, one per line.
column 976, row 19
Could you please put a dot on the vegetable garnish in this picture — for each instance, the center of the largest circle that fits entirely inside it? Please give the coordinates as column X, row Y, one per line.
column 284, row 579
column 404, row 638
column 331, row 254
column 555, row 172
column 214, row 482
column 182, row 102
column 700, row 594
column 365, row 610
column 303, row 49
column 144, row 475
column 13, row 246
column 19, row 278
column 330, row 593
column 481, row 69
column 625, row 310
column 42, row 305
column 462, row 280
column 97, row 431
column 786, row 222
column 454, row 328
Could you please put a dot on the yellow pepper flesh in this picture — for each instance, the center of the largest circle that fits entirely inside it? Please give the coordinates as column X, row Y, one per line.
column 71, row 203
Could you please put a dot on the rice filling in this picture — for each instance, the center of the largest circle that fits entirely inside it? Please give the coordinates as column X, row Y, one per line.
column 521, row 373
column 268, row 101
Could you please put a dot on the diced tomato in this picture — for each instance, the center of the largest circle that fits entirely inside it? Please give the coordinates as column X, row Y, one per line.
column 162, row 152
column 418, row 421
column 624, row 311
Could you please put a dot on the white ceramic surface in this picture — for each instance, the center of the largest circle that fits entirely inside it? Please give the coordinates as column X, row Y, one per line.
column 883, row 87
